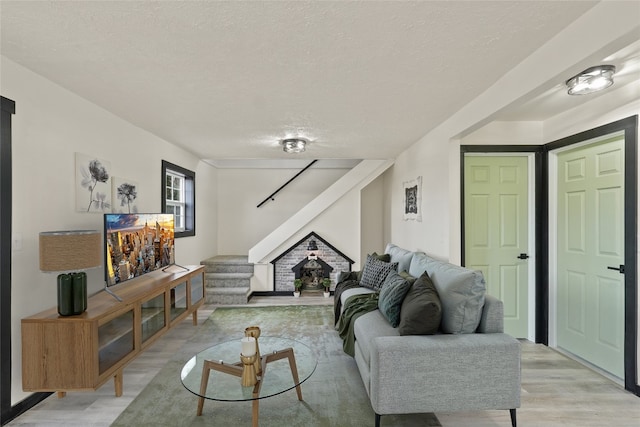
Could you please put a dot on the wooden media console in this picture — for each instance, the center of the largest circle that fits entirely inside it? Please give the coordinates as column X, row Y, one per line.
column 80, row 353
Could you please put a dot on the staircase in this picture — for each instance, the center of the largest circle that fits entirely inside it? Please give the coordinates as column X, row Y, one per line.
column 227, row 279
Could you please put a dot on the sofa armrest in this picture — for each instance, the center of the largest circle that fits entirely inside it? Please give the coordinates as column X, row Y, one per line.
column 431, row 373
column 492, row 319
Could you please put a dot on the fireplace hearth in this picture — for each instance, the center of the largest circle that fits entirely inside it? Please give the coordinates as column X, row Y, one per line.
column 312, row 270
column 311, row 266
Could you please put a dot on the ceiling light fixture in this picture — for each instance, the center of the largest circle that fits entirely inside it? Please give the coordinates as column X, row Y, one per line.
column 591, row 80
column 294, row 145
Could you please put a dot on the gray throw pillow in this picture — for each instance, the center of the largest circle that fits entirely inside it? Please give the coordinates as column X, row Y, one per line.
column 375, row 271
column 421, row 310
column 382, row 257
column 392, row 293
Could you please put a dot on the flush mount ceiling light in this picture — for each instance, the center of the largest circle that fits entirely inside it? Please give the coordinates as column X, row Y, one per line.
column 294, row 145
column 591, row 80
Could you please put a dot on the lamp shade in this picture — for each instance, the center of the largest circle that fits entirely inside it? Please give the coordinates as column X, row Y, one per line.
column 70, row 250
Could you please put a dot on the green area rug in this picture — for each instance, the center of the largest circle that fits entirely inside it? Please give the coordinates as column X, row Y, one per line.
column 333, row 396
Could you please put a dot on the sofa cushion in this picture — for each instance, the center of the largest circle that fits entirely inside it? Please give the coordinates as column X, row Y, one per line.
column 461, row 293
column 368, row 327
column 392, row 293
column 399, row 255
column 421, row 310
column 375, row 271
column 344, row 296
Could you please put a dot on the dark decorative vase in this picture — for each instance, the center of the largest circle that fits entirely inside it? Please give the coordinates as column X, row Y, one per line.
column 72, row 294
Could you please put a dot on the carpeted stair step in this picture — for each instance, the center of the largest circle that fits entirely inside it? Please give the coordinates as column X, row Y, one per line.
column 227, row 296
column 227, row 264
column 227, row 279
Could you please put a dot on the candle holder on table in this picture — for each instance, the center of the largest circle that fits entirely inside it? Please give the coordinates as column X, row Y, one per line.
column 254, row 332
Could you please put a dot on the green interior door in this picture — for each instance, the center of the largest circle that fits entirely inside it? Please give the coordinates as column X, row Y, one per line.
column 496, row 229
column 590, row 241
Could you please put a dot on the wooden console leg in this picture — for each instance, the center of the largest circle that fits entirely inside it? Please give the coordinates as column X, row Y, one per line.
column 118, row 382
column 61, row 394
column 195, row 318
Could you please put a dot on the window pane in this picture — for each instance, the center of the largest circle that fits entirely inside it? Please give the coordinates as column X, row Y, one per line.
column 179, row 195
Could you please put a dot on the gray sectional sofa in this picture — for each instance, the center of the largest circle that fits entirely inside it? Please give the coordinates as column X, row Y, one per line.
column 467, row 364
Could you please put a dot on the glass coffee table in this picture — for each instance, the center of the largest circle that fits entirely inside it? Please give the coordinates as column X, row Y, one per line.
column 214, row 373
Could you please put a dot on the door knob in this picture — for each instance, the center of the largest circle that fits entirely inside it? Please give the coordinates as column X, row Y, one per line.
column 620, row 269
column 523, row 256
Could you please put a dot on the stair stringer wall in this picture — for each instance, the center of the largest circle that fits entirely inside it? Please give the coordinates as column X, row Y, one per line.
column 335, row 214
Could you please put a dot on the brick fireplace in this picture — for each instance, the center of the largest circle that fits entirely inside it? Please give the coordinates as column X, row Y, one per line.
column 310, row 259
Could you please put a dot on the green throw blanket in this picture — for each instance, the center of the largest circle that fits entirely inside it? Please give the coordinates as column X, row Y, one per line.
column 354, row 307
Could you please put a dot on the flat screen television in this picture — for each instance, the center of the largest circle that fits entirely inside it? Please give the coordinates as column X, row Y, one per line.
column 136, row 244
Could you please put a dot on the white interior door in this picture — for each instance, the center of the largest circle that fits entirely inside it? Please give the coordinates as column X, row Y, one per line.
column 590, row 244
column 496, row 224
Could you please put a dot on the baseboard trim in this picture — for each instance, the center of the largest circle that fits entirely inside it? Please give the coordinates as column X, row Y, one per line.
column 23, row 406
column 282, row 293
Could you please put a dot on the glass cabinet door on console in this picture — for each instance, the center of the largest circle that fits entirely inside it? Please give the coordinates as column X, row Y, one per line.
column 197, row 288
column 115, row 340
column 178, row 303
column 152, row 316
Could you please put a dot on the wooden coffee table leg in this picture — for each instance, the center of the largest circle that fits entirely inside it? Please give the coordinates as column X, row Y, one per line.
column 256, row 402
column 203, row 386
column 294, row 372
column 254, row 422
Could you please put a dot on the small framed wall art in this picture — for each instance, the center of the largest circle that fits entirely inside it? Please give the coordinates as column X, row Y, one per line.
column 125, row 195
column 93, row 184
column 412, row 199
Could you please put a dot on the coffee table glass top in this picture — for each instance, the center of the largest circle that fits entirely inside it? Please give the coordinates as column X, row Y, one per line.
column 226, row 387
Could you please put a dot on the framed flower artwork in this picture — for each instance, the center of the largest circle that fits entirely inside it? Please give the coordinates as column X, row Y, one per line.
column 93, row 184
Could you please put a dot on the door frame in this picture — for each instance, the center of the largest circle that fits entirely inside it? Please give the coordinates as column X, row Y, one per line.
column 629, row 128
column 7, row 109
column 542, row 222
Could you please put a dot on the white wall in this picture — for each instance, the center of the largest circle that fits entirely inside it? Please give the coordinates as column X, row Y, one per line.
column 49, row 127
column 372, row 218
column 241, row 224
column 339, row 225
column 429, row 160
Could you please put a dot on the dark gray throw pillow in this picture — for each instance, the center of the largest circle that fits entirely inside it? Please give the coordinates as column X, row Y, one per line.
column 375, row 271
column 421, row 310
column 393, row 291
column 406, row 276
column 382, row 257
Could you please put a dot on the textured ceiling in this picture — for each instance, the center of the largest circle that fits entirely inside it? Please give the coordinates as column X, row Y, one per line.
column 227, row 80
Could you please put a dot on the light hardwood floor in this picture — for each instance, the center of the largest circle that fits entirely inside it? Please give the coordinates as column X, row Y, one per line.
column 556, row 391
